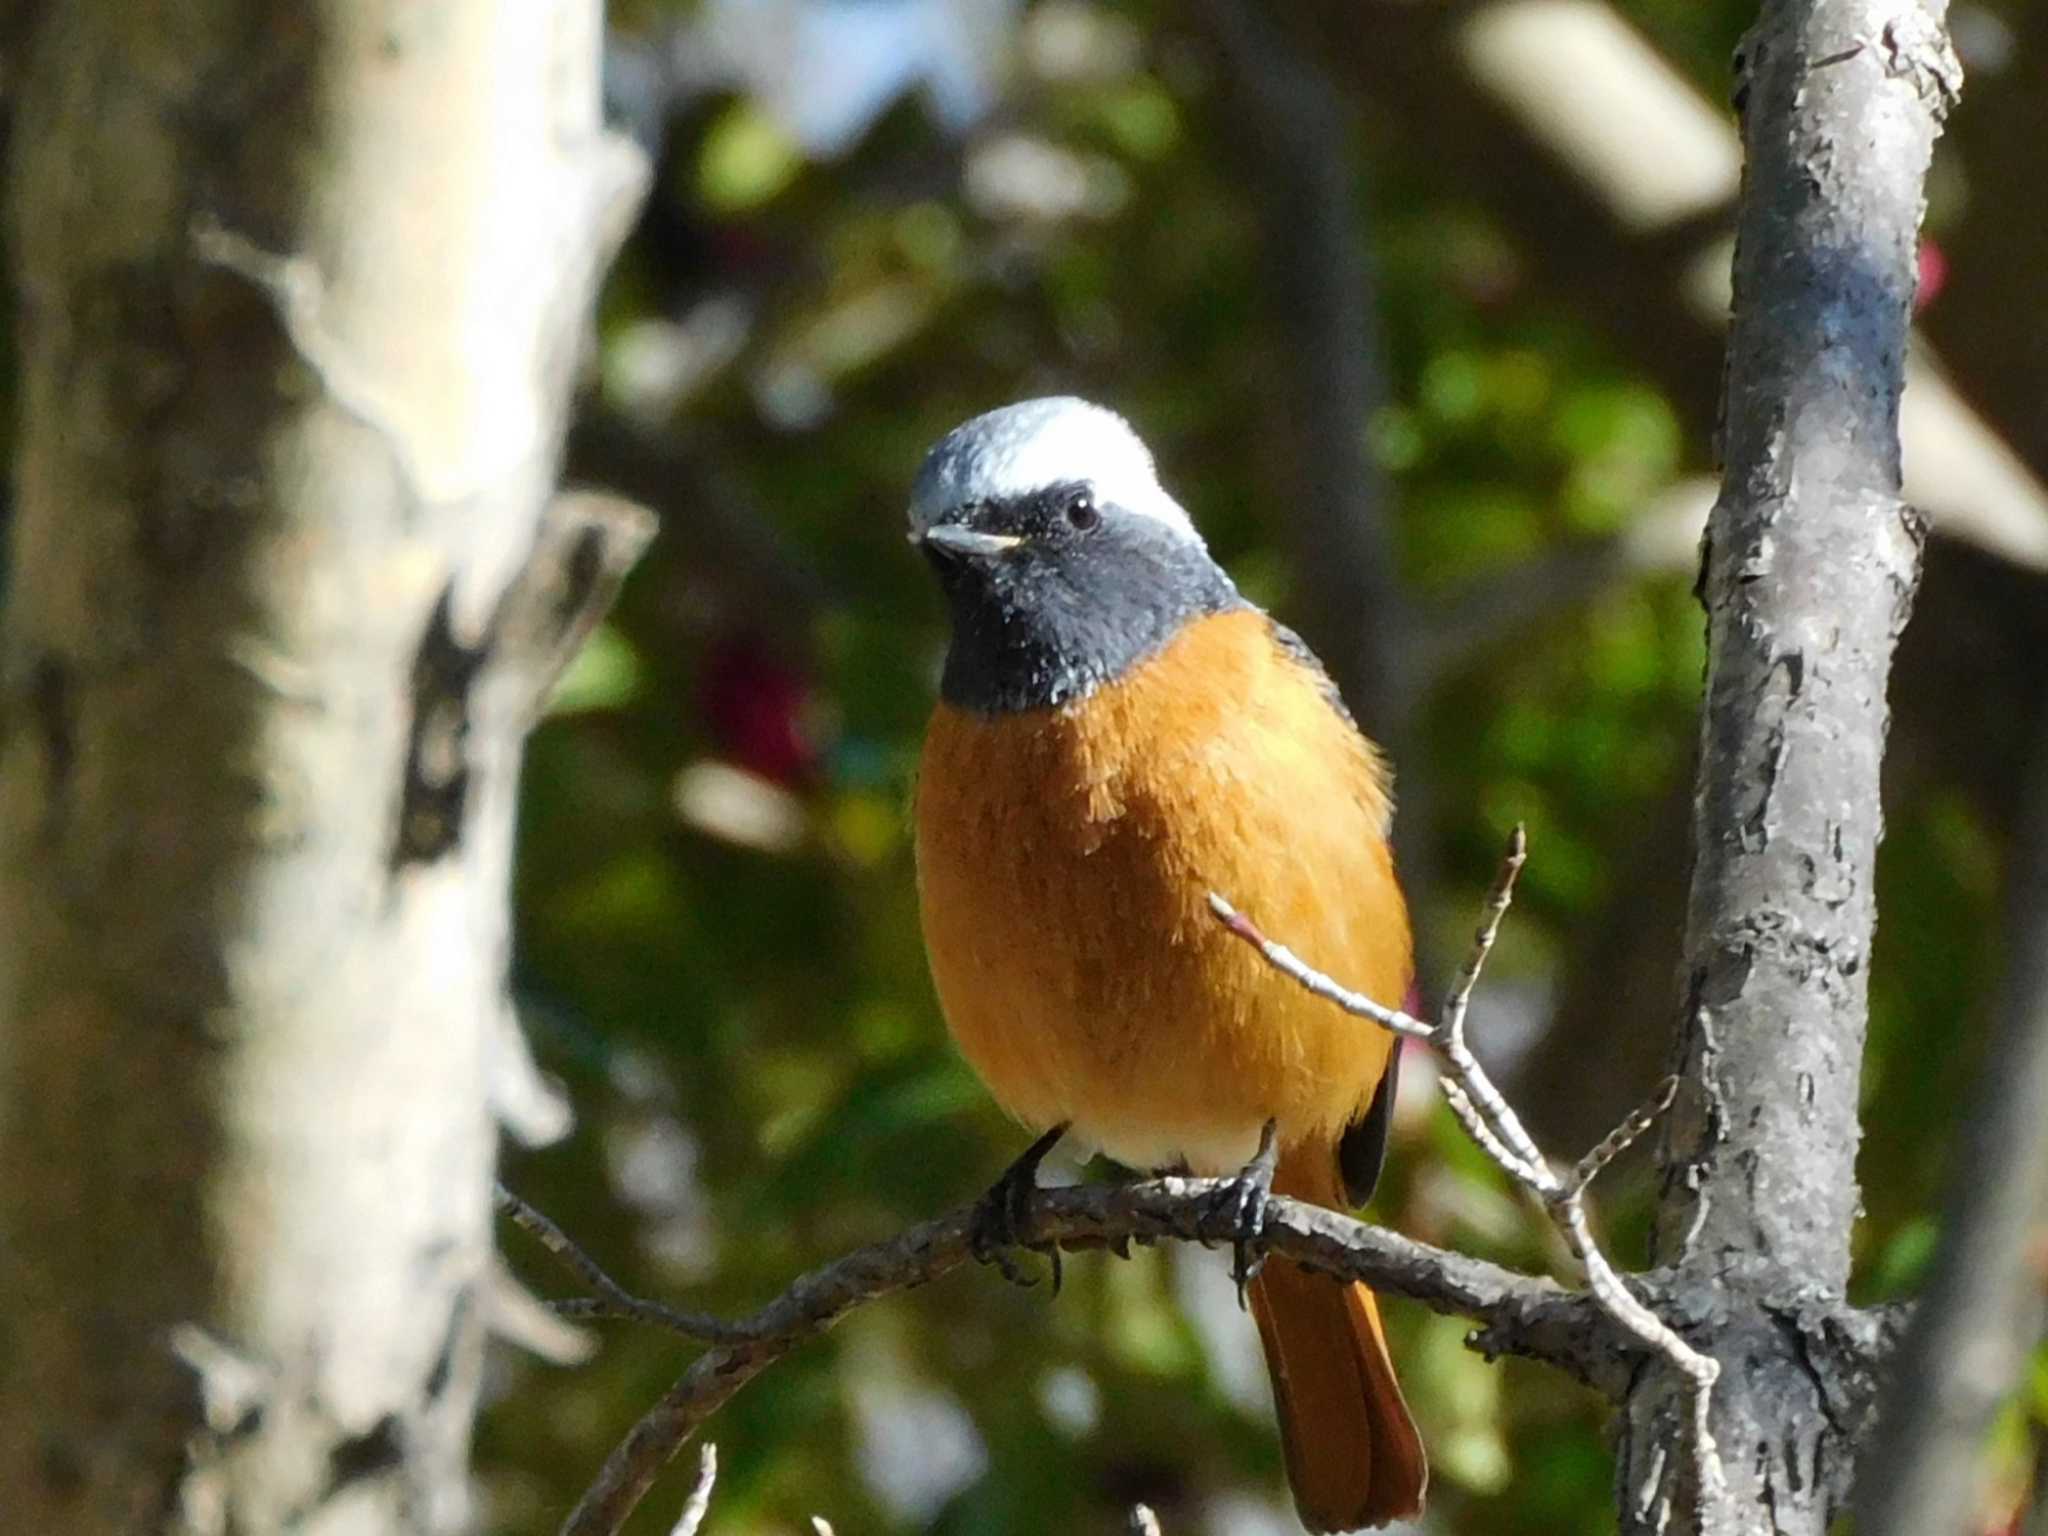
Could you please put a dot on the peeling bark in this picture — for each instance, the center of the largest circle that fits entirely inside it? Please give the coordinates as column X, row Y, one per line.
column 1807, row 576
column 302, row 291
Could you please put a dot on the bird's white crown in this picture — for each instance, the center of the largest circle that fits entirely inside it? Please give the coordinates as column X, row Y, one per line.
column 1035, row 444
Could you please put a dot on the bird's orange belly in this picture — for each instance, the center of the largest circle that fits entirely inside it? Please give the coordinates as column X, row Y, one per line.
column 1082, row 974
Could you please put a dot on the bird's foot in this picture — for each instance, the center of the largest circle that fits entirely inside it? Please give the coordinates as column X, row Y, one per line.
column 1243, row 1203
column 1002, row 1217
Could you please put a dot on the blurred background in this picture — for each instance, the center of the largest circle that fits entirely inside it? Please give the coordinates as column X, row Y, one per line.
column 1418, row 305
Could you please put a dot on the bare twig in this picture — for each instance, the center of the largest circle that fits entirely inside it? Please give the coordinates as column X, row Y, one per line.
column 1522, row 1314
column 1492, row 1122
column 523, row 1320
column 1600, row 1338
column 1624, row 1135
column 698, row 1505
column 1499, row 897
column 586, row 543
column 612, row 1301
column 1489, row 1143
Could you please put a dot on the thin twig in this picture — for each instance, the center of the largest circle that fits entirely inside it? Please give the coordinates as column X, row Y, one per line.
column 1492, row 1122
column 1499, row 897
column 1477, row 1128
column 698, row 1505
column 1530, row 1309
column 1522, row 1314
column 1597, row 1337
column 523, row 1320
column 1624, row 1135
column 1285, row 960
column 612, row 1301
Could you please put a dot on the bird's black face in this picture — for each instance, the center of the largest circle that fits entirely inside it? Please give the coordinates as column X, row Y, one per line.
column 1056, row 592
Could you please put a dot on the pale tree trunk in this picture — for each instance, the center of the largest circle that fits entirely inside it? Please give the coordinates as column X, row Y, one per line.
column 1808, row 573
column 303, row 286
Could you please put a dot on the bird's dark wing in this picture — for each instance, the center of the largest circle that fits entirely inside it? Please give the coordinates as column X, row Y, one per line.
column 1362, row 1150
column 1298, row 651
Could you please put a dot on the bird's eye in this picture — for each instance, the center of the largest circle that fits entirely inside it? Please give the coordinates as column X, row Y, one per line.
column 1082, row 513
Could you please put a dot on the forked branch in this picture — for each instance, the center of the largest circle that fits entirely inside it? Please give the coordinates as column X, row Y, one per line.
column 1599, row 1338
column 1492, row 1122
column 1521, row 1314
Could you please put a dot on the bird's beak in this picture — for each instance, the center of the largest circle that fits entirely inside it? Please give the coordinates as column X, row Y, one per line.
column 952, row 539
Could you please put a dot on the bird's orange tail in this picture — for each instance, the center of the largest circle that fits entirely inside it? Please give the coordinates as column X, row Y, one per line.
column 1354, row 1457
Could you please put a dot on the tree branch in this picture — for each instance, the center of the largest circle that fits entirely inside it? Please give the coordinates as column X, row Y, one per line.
column 1600, row 1339
column 1492, row 1122
column 254, row 832
column 586, row 543
column 1808, row 571
column 1522, row 1314
column 1810, row 565
column 698, row 1505
column 609, row 1300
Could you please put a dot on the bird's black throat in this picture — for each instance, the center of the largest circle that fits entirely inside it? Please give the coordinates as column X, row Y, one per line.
column 1069, row 609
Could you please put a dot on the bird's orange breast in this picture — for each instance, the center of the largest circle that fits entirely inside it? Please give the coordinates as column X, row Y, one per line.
column 1065, row 858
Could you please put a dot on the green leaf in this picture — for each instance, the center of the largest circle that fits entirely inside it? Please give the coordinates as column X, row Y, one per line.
column 746, row 160
column 605, row 674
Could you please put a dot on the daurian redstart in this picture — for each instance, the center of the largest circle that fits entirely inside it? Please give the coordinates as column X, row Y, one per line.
column 1119, row 734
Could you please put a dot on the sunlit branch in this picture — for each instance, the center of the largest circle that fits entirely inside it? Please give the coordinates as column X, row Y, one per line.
column 698, row 1504
column 1520, row 1314
column 1598, row 1337
column 1492, row 1122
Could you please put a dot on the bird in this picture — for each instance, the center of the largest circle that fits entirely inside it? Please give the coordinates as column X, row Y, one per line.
column 1118, row 734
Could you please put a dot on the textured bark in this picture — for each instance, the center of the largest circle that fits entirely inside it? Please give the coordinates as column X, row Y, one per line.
column 1642, row 287
column 302, row 289
column 1807, row 576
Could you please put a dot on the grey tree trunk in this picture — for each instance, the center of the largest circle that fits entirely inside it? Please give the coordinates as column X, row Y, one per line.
column 1807, row 576
column 302, row 288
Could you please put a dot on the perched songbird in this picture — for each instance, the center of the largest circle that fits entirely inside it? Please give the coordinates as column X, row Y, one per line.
column 1119, row 734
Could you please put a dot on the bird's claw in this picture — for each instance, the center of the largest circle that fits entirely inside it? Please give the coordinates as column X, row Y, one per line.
column 1002, row 1217
column 1243, row 1203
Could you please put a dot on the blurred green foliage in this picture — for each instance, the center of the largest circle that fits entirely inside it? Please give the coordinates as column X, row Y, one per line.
column 718, row 947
